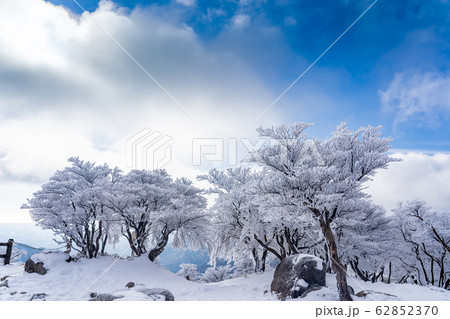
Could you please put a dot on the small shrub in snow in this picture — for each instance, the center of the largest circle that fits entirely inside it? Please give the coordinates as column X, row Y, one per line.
column 188, row 271
column 243, row 267
column 217, row 274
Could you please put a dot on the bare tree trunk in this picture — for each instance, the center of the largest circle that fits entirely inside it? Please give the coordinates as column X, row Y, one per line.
column 338, row 268
column 439, row 238
column 280, row 241
column 256, row 260
column 423, row 269
column 354, row 265
column 132, row 244
column 432, row 271
column 263, row 260
column 432, row 262
column 93, row 246
column 381, row 274
column 105, row 240
column 390, row 271
column 99, row 236
column 442, row 272
column 260, row 263
column 273, row 251
column 155, row 252
column 404, row 278
column 374, row 277
column 89, row 243
column 292, row 249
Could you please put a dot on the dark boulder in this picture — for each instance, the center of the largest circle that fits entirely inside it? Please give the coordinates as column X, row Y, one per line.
column 130, row 284
column 105, row 297
column 37, row 267
column 297, row 274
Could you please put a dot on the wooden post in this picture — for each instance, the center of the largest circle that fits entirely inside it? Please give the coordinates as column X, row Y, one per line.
column 9, row 251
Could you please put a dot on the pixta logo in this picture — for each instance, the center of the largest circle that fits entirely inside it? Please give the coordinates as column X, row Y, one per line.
column 148, row 149
column 237, row 151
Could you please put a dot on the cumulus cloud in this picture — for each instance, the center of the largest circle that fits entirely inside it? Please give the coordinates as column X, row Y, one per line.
column 421, row 97
column 418, row 176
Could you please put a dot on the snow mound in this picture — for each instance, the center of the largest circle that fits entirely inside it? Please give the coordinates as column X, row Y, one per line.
column 50, row 259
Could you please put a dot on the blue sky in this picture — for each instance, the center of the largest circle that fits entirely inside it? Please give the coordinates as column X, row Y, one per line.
column 283, row 37
column 67, row 89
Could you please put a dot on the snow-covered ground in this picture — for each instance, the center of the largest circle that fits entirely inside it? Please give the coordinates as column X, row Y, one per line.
column 76, row 280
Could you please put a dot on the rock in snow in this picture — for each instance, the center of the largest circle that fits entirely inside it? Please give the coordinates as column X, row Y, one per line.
column 158, row 293
column 105, row 297
column 40, row 296
column 130, row 284
column 41, row 262
column 298, row 274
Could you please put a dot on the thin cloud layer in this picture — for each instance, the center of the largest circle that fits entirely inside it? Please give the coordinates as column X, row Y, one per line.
column 420, row 97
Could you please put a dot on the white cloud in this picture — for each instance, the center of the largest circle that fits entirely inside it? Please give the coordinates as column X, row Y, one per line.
column 187, row 3
column 241, row 21
column 418, row 96
column 418, row 176
column 68, row 89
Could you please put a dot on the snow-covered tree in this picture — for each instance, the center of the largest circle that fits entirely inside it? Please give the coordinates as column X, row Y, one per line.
column 426, row 236
column 188, row 271
column 72, row 205
column 366, row 242
column 137, row 199
column 232, row 212
column 322, row 179
column 245, row 226
column 152, row 207
column 88, row 204
column 275, row 229
column 185, row 220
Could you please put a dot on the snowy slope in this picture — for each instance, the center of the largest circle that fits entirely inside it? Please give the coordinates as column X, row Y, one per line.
column 72, row 281
column 76, row 280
